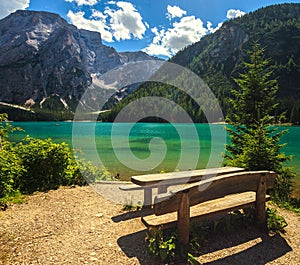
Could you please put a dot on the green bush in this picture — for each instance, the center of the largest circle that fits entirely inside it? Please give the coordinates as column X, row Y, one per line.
column 40, row 165
column 11, row 170
column 162, row 245
column 275, row 222
column 48, row 165
column 85, row 170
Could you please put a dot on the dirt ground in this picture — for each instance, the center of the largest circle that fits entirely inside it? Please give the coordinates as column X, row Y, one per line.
column 79, row 226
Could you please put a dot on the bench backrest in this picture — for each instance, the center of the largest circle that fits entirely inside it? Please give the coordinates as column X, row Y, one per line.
column 214, row 188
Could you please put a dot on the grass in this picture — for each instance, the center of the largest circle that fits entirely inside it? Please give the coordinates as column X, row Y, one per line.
column 293, row 205
column 131, row 207
column 16, row 197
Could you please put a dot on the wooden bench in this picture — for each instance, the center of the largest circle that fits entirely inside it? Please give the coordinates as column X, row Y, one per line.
column 209, row 198
column 162, row 181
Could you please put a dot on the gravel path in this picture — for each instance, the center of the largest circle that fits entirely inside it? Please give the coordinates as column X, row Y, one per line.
column 79, row 226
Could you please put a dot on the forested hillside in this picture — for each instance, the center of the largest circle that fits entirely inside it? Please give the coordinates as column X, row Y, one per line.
column 216, row 58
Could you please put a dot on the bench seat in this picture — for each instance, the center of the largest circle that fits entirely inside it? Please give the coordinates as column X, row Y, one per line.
column 161, row 182
column 205, row 210
column 130, row 187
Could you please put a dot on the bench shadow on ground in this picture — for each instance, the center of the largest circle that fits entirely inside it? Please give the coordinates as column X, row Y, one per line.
column 268, row 249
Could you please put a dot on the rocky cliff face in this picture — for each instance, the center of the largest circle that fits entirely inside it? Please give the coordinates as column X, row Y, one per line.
column 42, row 56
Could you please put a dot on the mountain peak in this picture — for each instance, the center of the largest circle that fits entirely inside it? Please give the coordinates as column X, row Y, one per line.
column 42, row 55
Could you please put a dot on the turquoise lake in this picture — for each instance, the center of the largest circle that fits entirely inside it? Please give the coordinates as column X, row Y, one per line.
column 131, row 149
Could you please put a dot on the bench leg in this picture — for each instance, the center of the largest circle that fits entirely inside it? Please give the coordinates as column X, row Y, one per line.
column 162, row 189
column 261, row 201
column 183, row 224
column 147, row 197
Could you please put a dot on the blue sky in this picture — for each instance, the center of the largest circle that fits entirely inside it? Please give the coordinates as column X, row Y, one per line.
column 158, row 27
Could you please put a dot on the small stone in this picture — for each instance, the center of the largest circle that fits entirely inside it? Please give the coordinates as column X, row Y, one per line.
column 99, row 215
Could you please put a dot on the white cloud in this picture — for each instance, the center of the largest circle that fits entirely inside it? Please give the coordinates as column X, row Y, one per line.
column 119, row 23
column 174, row 11
column 7, row 7
column 211, row 29
column 233, row 13
column 126, row 21
column 83, row 2
column 97, row 24
column 167, row 42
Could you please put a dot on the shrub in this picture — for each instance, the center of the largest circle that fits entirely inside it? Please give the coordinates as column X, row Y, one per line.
column 40, row 165
column 11, row 169
column 275, row 222
column 162, row 245
column 86, row 171
column 48, row 165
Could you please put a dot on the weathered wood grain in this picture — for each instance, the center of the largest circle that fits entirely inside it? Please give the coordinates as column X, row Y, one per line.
column 205, row 210
column 261, row 200
column 211, row 189
column 183, row 218
column 174, row 178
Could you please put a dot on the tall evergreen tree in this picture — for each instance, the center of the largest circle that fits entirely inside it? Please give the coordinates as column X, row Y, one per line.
column 255, row 143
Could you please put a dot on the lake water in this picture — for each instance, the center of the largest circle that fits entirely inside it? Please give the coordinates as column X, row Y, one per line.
column 131, row 149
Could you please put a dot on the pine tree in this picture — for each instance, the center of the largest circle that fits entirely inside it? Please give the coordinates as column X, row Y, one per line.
column 255, row 143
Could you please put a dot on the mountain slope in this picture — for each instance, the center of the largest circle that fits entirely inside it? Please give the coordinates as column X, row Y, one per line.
column 47, row 63
column 216, row 58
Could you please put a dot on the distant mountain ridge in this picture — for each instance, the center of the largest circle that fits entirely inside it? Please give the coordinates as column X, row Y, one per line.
column 47, row 63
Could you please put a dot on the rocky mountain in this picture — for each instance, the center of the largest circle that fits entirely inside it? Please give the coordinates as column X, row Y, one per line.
column 46, row 63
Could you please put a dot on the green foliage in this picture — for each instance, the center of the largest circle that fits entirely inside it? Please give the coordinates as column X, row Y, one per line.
column 255, row 144
column 165, row 245
column 131, row 207
column 293, row 205
column 48, row 165
column 11, row 170
column 87, row 171
column 40, row 165
column 254, row 100
column 162, row 245
column 170, row 112
column 6, row 127
column 216, row 58
column 275, row 222
column 37, row 114
column 128, row 207
column 192, row 260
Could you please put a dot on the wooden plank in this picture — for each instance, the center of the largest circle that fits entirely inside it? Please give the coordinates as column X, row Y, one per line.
column 183, row 217
column 212, row 189
column 130, row 187
column 205, row 210
column 261, row 200
column 180, row 177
